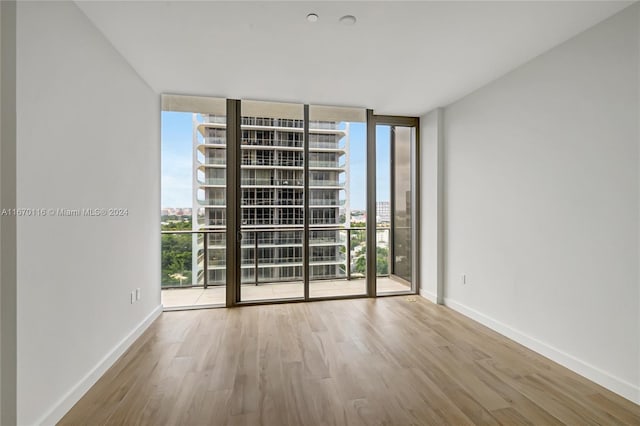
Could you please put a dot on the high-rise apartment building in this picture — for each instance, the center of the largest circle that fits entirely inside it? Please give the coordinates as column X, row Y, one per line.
column 272, row 198
column 383, row 211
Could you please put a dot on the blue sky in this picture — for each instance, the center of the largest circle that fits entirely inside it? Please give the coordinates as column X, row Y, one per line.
column 177, row 161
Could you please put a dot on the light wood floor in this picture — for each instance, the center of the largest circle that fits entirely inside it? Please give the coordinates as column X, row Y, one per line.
column 390, row 361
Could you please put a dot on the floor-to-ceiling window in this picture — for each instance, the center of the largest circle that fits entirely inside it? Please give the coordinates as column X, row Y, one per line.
column 266, row 201
column 193, row 210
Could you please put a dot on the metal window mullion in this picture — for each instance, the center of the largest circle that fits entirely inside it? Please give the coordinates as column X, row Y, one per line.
column 234, row 234
column 371, row 204
column 205, row 260
column 391, row 268
column 305, row 196
column 349, row 253
column 415, row 214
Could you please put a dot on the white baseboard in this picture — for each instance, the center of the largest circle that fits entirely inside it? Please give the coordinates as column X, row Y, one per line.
column 614, row 384
column 68, row 400
column 431, row 297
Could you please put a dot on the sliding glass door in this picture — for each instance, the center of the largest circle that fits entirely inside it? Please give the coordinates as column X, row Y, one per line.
column 301, row 214
column 337, row 161
column 272, row 193
column 396, row 201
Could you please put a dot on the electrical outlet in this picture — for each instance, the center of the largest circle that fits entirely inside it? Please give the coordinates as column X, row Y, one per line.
column 463, row 278
column 133, row 297
column 138, row 295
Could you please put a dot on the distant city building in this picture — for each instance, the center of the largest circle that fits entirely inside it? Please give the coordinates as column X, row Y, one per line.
column 358, row 216
column 383, row 211
column 186, row 211
column 272, row 197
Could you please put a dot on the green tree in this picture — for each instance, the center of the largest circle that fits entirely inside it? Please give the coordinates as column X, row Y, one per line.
column 176, row 252
column 382, row 261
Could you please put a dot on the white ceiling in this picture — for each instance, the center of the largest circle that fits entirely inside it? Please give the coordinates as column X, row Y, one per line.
column 399, row 58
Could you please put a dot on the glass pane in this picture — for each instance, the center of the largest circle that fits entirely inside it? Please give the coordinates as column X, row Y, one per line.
column 402, row 230
column 337, row 201
column 272, row 196
column 177, row 255
column 193, row 201
column 394, row 174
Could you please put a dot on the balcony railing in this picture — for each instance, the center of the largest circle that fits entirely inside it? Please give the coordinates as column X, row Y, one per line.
column 218, row 119
column 210, row 246
column 257, row 121
column 285, row 122
column 248, row 143
column 212, row 181
column 215, row 161
column 326, row 125
column 212, row 202
column 324, row 202
column 325, row 182
column 271, row 182
column 269, row 122
column 258, row 141
column 215, row 140
column 325, row 145
column 331, row 164
column 281, row 202
column 271, row 162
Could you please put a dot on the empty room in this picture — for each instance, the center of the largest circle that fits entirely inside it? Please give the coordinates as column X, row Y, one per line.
column 319, row 213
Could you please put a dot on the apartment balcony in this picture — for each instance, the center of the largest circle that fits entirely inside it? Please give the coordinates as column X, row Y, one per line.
column 280, row 242
column 212, row 182
column 326, row 147
column 217, row 119
column 322, row 183
column 203, row 128
column 258, row 141
column 325, row 202
column 327, row 260
column 273, row 280
column 261, row 163
column 213, row 243
column 271, row 222
column 258, row 121
column 323, row 125
column 316, row 164
column 216, row 295
column 272, row 182
column 212, row 224
column 218, row 202
column 250, row 263
column 271, row 202
column 216, row 141
column 280, row 144
column 271, row 239
column 214, row 161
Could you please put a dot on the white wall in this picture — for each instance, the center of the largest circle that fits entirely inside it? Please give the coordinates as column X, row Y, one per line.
column 542, row 203
column 88, row 137
column 431, row 181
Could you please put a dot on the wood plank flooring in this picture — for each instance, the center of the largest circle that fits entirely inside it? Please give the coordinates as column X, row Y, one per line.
column 386, row 361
